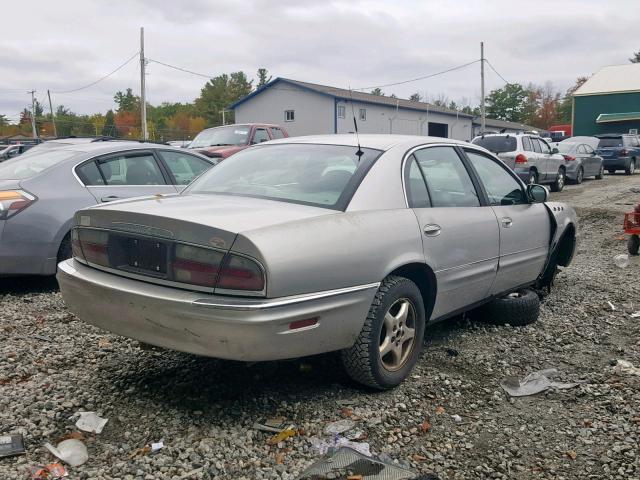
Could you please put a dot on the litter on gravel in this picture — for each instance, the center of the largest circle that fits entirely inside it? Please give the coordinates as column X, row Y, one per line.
column 533, row 383
column 72, row 452
column 351, row 464
column 626, row 368
column 340, row 426
column 90, row 422
column 11, row 445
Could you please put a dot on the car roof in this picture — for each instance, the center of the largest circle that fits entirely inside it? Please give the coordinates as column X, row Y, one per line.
column 375, row 141
column 248, row 124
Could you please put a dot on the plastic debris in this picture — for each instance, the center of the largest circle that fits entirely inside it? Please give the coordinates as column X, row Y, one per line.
column 340, row 426
column 53, row 471
column 281, row 437
column 90, row 422
column 626, row 368
column 273, row 425
column 155, row 447
column 622, row 260
column 456, row 418
column 533, row 383
column 11, row 445
column 72, row 452
column 322, row 446
column 351, row 464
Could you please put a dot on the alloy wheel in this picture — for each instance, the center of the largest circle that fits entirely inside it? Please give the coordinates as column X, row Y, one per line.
column 560, row 180
column 580, row 176
column 397, row 337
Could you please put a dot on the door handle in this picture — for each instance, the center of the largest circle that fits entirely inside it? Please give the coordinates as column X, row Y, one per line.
column 506, row 222
column 431, row 230
column 110, row 198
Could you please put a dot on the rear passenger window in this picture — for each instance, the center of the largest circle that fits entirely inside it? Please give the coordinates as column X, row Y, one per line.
column 501, row 187
column 183, row 166
column 417, row 195
column 276, row 133
column 536, row 145
column 89, row 174
column 141, row 169
column 448, row 181
column 526, row 144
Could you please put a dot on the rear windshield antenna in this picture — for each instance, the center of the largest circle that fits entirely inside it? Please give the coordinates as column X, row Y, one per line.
column 359, row 153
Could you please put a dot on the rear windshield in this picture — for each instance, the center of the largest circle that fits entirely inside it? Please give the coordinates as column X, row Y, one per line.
column 564, row 147
column 610, row 142
column 497, row 143
column 318, row 175
column 27, row 166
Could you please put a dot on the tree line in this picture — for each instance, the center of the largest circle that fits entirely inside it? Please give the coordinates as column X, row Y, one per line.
column 535, row 105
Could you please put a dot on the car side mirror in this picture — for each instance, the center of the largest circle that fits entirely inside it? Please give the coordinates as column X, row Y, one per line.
column 537, row 193
column 554, row 150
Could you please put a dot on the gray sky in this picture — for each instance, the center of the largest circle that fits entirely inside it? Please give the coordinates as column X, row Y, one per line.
column 358, row 43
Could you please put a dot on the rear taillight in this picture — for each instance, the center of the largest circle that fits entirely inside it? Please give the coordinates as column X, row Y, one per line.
column 241, row 273
column 196, row 266
column 13, row 202
column 569, row 158
column 521, row 158
column 623, row 153
column 94, row 246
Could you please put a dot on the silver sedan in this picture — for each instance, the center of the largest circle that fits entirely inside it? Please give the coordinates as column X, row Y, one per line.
column 315, row 244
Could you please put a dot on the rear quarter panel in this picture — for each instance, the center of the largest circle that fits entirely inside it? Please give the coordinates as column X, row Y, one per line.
column 333, row 251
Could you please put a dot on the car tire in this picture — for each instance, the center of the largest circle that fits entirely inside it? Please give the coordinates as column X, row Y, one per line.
column 65, row 252
column 558, row 185
column 633, row 244
column 397, row 309
column 630, row 170
column 600, row 174
column 580, row 176
column 533, row 177
column 517, row 309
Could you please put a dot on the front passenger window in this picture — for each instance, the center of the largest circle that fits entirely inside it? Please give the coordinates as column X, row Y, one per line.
column 501, row 187
column 447, row 178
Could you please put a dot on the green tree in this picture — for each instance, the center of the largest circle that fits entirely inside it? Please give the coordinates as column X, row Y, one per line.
column 416, row 97
column 127, row 102
column 393, row 95
column 565, row 108
column 219, row 93
column 262, row 77
column 636, row 57
column 377, row 91
column 507, row 103
column 109, row 128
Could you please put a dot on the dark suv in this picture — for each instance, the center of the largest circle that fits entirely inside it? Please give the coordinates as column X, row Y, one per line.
column 619, row 152
column 222, row 142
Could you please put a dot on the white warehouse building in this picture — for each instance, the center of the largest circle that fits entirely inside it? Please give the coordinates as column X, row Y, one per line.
column 307, row 109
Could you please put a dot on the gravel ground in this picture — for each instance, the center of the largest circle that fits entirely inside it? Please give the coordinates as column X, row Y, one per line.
column 203, row 409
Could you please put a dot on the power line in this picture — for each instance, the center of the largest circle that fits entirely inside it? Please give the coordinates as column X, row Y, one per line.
column 419, row 78
column 181, row 69
column 497, row 73
column 101, row 78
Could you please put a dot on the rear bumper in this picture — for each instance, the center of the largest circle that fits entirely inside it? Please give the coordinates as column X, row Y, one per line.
column 619, row 163
column 232, row 328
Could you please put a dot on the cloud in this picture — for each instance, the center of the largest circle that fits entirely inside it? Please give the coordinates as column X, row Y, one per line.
column 357, row 43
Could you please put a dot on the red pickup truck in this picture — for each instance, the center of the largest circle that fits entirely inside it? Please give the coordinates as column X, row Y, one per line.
column 222, row 142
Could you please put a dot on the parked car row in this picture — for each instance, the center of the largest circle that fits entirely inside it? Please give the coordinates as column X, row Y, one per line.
column 573, row 159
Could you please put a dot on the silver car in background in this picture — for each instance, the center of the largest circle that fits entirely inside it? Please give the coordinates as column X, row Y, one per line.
column 581, row 159
column 530, row 156
column 41, row 190
column 315, row 244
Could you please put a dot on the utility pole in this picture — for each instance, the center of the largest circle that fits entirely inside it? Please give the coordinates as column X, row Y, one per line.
column 33, row 113
column 143, row 100
column 482, row 108
column 53, row 120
